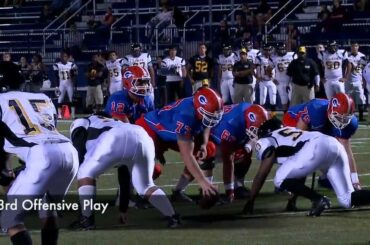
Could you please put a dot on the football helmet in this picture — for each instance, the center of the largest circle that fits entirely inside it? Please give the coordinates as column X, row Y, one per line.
column 246, row 44
column 267, row 48
column 269, row 126
column 226, row 49
column 332, row 47
column 136, row 80
column 254, row 117
column 10, row 76
column 340, row 110
column 281, row 49
column 208, row 106
column 136, row 49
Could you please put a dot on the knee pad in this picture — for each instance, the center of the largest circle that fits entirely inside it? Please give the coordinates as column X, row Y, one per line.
column 207, row 164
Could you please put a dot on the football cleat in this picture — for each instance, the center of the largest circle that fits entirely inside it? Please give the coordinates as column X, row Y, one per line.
column 84, row 223
column 180, row 196
column 173, row 221
column 319, row 206
column 241, row 192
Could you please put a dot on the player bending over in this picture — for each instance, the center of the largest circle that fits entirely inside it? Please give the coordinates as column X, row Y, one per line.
column 103, row 143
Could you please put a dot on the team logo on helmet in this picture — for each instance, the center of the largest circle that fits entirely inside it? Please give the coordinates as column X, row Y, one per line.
column 252, row 116
column 127, row 74
column 202, row 99
column 335, row 102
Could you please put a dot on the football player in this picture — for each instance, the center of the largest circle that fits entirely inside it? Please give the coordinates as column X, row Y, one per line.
column 142, row 59
column 128, row 105
column 114, row 67
column 281, row 62
column 300, row 153
column 65, row 73
column 355, row 82
column 102, row 143
column 176, row 126
column 237, row 127
column 332, row 60
column 200, row 68
column 366, row 76
column 265, row 76
column 28, row 124
column 333, row 117
column 225, row 62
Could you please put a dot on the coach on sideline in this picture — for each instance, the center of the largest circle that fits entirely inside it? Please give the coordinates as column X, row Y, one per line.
column 304, row 76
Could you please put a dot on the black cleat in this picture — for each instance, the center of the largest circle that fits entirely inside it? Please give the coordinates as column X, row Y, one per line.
column 173, row 221
column 84, row 223
column 180, row 196
column 319, row 206
column 325, row 183
column 241, row 193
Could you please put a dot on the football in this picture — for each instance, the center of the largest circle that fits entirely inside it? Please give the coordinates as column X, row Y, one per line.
column 207, row 202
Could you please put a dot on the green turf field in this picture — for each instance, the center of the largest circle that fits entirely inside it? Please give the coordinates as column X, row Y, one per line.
column 224, row 224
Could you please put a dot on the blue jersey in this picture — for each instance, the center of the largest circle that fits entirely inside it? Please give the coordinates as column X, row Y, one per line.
column 178, row 118
column 120, row 103
column 314, row 114
column 232, row 125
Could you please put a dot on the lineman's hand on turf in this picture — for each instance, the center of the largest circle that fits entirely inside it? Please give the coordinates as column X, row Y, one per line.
column 248, row 208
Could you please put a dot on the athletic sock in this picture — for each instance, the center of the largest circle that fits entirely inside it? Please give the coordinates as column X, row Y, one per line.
column 160, row 201
column 296, row 186
column 21, row 238
column 86, row 193
column 182, row 184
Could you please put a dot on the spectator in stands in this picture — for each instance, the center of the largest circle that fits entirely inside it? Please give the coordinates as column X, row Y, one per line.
column 46, row 15
column 38, row 73
column 293, row 36
column 92, row 23
column 240, row 27
column 95, row 79
column 304, row 77
column 7, row 57
column 174, row 68
column 163, row 19
column 221, row 35
column 263, row 13
column 25, row 68
column 323, row 16
column 248, row 14
column 107, row 21
column 337, row 17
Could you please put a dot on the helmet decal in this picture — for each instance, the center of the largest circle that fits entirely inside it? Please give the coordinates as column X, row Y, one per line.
column 335, row 102
column 202, row 99
column 127, row 74
column 252, row 116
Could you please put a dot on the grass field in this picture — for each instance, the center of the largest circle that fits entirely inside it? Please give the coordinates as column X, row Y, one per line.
column 224, row 224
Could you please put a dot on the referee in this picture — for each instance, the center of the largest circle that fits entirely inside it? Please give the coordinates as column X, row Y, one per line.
column 304, row 76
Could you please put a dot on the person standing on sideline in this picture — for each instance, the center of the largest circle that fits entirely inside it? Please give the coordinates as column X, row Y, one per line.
column 304, row 76
column 226, row 62
column 200, row 68
column 243, row 72
column 174, row 68
column 94, row 95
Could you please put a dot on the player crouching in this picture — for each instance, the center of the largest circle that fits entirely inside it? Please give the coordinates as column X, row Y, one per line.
column 300, row 153
column 104, row 142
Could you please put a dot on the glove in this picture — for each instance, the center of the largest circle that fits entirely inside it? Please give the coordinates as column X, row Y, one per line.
column 6, row 177
column 248, row 208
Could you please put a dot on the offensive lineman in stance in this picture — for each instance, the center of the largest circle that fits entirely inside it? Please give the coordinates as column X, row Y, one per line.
column 103, row 142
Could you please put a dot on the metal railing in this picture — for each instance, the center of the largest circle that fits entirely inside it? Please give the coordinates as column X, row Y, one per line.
column 113, row 24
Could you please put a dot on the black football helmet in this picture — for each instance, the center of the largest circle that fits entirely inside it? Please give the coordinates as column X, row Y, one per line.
column 267, row 48
column 246, row 44
column 226, row 49
column 136, row 49
column 281, row 49
column 332, row 47
column 269, row 126
column 10, row 76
